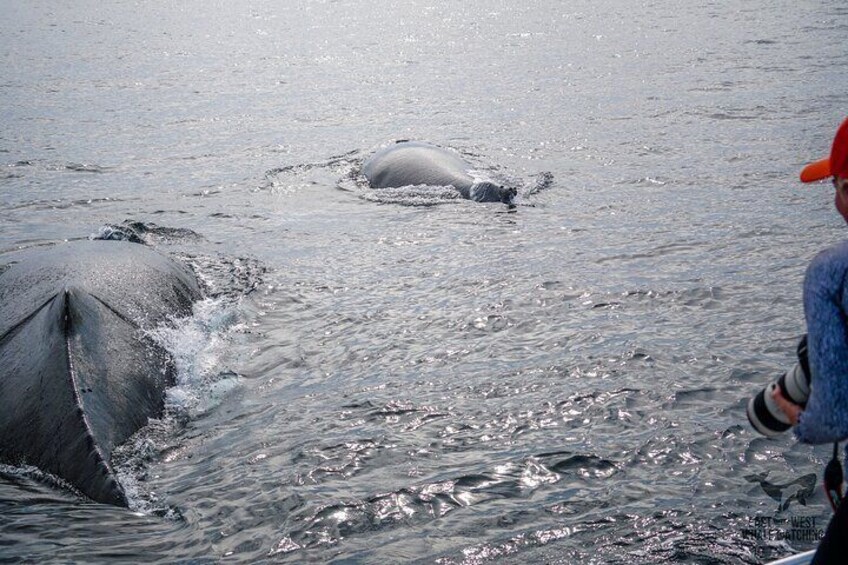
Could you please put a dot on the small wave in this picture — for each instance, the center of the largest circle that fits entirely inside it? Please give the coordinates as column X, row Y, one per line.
column 658, row 251
column 282, row 179
column 664, row 536
column 761, row 42
column 702, row 297
column 226, row 277
column 421, row 195
column 59, row 204
column 344, row 158
column 143, row 232
column 329, row 524
column 540, row 182
column 37, row 483
column 74, row 167
column 85, row 168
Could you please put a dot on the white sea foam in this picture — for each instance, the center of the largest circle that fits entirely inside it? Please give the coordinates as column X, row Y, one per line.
column 197, row 345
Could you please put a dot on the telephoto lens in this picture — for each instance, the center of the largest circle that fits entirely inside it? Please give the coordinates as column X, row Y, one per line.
column 763, row 412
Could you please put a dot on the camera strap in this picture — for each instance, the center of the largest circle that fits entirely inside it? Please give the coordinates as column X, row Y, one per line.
column 833, row 479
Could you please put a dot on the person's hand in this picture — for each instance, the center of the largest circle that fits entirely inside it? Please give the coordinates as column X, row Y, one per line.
column 792, row 410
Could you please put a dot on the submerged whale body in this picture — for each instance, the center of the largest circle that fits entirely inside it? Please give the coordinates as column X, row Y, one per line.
column 78, row 376
column 409, row 163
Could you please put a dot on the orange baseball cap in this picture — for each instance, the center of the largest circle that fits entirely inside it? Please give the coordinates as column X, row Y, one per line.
column 836, row 164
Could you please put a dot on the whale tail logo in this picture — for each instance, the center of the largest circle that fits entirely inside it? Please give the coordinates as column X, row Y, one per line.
column 804, row 488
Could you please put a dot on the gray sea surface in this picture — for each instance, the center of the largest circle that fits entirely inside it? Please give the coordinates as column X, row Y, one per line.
column 383, row 377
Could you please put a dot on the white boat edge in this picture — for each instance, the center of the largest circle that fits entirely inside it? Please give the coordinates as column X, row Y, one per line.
column 798, row 559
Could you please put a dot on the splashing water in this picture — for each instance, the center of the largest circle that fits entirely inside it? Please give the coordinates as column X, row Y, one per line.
column 196, row 345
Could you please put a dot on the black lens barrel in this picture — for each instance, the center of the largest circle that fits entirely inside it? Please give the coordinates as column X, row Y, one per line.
column 763, row 415
column 763, row 412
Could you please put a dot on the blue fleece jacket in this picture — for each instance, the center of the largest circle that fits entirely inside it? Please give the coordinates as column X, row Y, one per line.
column 825, row 419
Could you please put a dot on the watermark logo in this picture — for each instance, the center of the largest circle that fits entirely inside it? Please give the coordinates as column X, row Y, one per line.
column 784, row 528
column 799, row 529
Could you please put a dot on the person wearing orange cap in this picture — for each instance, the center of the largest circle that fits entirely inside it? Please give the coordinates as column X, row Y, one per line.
column 835, row 166
column 824, row 419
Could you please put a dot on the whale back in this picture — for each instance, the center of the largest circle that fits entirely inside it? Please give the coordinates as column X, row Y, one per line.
column 141, row 284
column 412, row 163
column 78, row 375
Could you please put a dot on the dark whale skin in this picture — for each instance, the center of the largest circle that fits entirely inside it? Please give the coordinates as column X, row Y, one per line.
column 78, row 375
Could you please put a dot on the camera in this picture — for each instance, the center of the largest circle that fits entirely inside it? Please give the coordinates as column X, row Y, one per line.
column 763, row 412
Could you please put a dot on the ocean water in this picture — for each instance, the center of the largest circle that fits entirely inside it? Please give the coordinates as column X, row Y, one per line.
column 407, row 376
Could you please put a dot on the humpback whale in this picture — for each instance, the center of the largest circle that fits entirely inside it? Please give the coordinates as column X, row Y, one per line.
column 78, row 375
column 409, row 163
